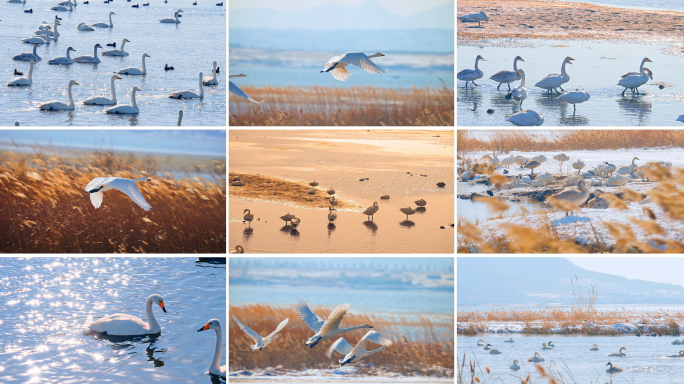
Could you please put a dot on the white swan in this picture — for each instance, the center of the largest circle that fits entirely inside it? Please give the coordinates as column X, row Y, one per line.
column 64, row 60
column 324, row 329
column 633, row 166
column 515, row 365
column 578, row 165
column 58, row 105
column 519, row 93
column 45, row 29
column 85, row 27
column 594, row 348
column 634, row 81
column 101, row 184
column 105, row 25
column 121, row 324
column 126, row 109
column 619, row 354
column 180, row 117
column 681, row 354
column 354, row 354
column 261, row 342
column 546, row 347
column 23, row 81
column 676, row 342
column 28, row 56
column 526, row 118
column 332, row 216
column 370, row 211
column 61, row 8
column 471, row 74
column 211, row 80
column 189, row 94
column 135, row 71
column 494, row 352
column 46, row 39
column 488, row 347
column 618, row 180
column 574, row 97
column 573, row 197
column 680, row 118
column 99, row 100
column 337, row 64
column 510, row 340
column 474, row 17
column 117, row 52
column 237, row 91
column 555, row 80
column 16, row 1
column 174, row 20
column 613, row 369
column 89, row 59
column 536, row 358
column 214, row 366
column 480, row 343
column 507, row 77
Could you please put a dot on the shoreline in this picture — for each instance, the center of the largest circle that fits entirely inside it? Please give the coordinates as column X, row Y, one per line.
column 539, row 327
column 561, row 20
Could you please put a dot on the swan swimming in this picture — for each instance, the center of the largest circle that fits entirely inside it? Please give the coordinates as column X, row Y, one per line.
column 101, row 184
column 237, row 91
column 99, row 100
column 64, row 60
column 619, row 354
column 28, row 56
column 211, row 80
column 354, row 354
column 515, row 365
column 85, row 27
column 507, row 77
column 337, row 64
column 117, row 52
column 471, row 74
column 45, row 29
column 480, row 343
column 494, row 352
column 324, row 329
column 546, row 347
column 174, row 20
column 61, row 8
column 510, row 340
column 681, row 354
column 121, row 324
column 594, row 348
column 135, row 71
column 189, row 94
column 23, row 81
column 131, row 109
column 58, row 105
column 488, row 347
column 89, row 59
column 262, row 342
column 536, row 358
column 555, row 80
column 38, row 39
column 105, row 25
column 214, row 367
column 613, row 369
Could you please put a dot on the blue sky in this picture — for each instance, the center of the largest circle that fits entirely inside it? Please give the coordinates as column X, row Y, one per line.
column 659, row 269
column 399, row 7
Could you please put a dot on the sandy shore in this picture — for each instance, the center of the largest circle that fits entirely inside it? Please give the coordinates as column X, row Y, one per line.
column 535, row 19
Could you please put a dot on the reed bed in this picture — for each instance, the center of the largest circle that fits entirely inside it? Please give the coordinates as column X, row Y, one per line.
column 45, row 209
column 332, row 106
column 422, row 343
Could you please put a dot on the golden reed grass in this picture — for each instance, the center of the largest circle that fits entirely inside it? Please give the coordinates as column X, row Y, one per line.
column 44, row 207
column 358, row 105
column 421, row 343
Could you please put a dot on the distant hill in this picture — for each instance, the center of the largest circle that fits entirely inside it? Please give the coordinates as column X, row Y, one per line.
column 540, row 281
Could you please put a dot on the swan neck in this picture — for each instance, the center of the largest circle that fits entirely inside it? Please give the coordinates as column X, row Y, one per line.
column 110, row 20
column 122, row 45
column 477, row 61
column 34, row 48
column 515, row 65
column 218, row 348
column 641, row 68
column 143, row 64
column 95, row 52
column 201, row 90
column 180, row 118
column 522, row 83
column 113, row 90
column 351, row 329
column 71, row 100
column 133, row 102
column 151, row 320
column 69, row 54
column 563, row 68
column 30, row 71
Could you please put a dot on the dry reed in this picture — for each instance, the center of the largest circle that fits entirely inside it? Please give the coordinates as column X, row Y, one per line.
column 45, row 209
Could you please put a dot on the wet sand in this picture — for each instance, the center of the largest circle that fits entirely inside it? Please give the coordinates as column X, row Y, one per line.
column 337, row 160
column 535, row 19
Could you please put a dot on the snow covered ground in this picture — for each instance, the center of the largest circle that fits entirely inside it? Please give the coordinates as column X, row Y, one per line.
column 332, row 376
column 521, row 327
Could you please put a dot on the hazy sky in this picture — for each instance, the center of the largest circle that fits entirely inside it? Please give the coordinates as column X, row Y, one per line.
column 659, row 269
column 399, row 7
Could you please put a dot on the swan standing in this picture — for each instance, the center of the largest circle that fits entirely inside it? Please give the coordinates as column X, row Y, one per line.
column 121, row 324
column 237, row 91
column 324, row 329
column 634, row 80
column 555, row 80
column 126, row 109
column 474, row 17
column 189, row 94
column 28, row 56
column 135, row 71
column 248, row 217
column 105, row 25
column 407, row 211
column 23, row 81
column 117, row 52
column 578, row 165
column 331, row 215
column 519, row 93
column 619, row 354
column 211, row 80
column 101, row 184
column 574, row 97
column 354, row 354
column 573, row 197
column 90, row 59
column 174, row 20
column 337, row 64
column 261, row 342
column 507, row 77
column 214, row 366
column 370, row 211
column 471, row 74
column 526, row 118
column 58, row 105
column 99, row 100
column 64, row 60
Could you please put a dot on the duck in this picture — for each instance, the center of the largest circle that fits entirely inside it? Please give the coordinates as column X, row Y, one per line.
column 536, row 358
column 18, row 73
column 248, row 217
column 515, row 365
column 167, row 68
column 594, row 348
column 613, row 369
column 113, row 45
column 471, row 74
column 135, row 6
column 28, row 10
column 507, row 77
column 619, row 354
column 555, row 80
column 510, row 340
column 219, row 4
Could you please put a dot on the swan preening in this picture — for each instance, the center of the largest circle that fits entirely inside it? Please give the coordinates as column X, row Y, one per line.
column 613, row 369
column 325, row 329
column 215, row 367
column 471, row 74
column 23, row 81
column 336, row 65
column 237, row 91
column 174, row 20
column 60, row 106
column 354, row 354
column 507, row 77
column 594, row 348
column 99, row 100
column 189, row 94
column 135, row 71
column 102, row 184
column 515, row 365
column 238, row 249
column 127, row 325
column 261, row 342
column 555, row 80
column 370, row 211
column 526, row 118
column 85, row 27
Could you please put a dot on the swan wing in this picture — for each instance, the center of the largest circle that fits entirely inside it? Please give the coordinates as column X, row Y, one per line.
column 120, row 324
column 341, row 346
column 369, row 66
column 280, row 327
column 96, row 199
column 234, row 89
column 310, row 318
column 255, row 336
column 95, row 183
column 377, row 338
column 340, row 73
column 333, row 321
column 129, row 188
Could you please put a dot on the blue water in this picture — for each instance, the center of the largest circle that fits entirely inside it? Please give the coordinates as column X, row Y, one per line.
column 46, row 303
column 672, row 5
column 190, row 47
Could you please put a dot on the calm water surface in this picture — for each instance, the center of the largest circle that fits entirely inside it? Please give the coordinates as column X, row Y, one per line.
column 46, row 303
column 190, row 47
column 674, row 5
column 473, row 211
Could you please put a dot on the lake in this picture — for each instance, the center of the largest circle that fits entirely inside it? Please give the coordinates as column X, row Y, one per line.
column 46, row 303
column 190, row 47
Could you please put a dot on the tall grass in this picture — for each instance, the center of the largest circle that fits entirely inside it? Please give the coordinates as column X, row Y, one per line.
column 422, row 344
column 44, row 207
column 367, row 106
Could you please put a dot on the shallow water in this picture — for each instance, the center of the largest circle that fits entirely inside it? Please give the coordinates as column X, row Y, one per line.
column 597, row 69
column 190, row 47
column 46, row 303
column 475, row 211
column 674, row 5
column 646, row 360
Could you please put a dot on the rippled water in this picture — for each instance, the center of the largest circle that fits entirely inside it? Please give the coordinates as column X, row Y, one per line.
column 646, row 360
column 46, row 303
column 190, row 47
column 597, row 69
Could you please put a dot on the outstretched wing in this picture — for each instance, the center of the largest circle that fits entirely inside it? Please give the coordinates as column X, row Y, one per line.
column 310, row 318
column 340, row 73
column 333, row 321
column 234, row 89
column 370, row 66
column 95, row 184
column 255, row 336
column 129, row 188
column 280, row 327
column 96, row 199
column 340, row 346
column 376, row 338
column 333, row 60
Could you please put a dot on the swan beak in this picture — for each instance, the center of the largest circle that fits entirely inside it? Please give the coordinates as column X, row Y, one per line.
column 161, row 304
column 206, row 326
column 370, row 326
column 118, row 77
column 148, row 179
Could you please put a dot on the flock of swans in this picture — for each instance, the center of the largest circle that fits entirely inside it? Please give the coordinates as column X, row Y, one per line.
column 47, row 33
column 325, row 330
column 125, row 325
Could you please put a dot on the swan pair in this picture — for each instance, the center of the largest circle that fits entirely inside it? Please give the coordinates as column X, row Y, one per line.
column 237, row 91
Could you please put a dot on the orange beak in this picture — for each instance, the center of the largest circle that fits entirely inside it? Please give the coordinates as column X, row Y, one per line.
column 161, row 304
column 206, row 326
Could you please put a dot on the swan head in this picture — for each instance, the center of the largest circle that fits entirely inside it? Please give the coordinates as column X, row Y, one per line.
column 569, row 60
column 246, row 210
column 646, row 59
column 157, row 299
column 115, row 77
column 112, row 13
column 211, row 324
column 126, row 41
column 178, row 11
column 518, row 58
column 97, row 46
column 480, row 58
column 73, row 82
column 146, row 55
column 71, row 49
column 136, row 89
column 239, row 75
